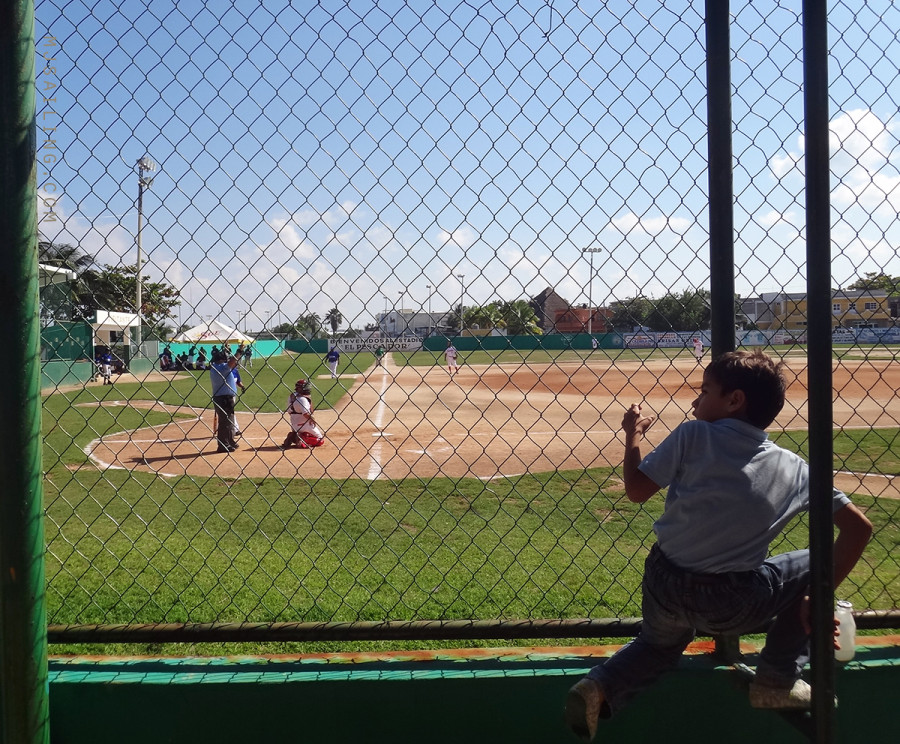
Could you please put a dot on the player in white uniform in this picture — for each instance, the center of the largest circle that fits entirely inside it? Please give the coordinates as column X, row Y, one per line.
column 698, row 349
column 450, row 356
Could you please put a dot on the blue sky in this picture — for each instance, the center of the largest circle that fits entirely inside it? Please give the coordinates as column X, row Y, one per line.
column 352, row 154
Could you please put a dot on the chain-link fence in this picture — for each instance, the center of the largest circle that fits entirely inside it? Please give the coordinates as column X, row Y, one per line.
column 523, row 182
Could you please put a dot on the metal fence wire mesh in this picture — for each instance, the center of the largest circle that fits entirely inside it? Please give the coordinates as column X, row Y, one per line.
column 525, row 180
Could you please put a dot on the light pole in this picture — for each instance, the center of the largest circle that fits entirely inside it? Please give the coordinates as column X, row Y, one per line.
column 592, row 251
column 428, row 287
column 384, row 316
column 462, row 294
column 244, row 314
column 144, row 165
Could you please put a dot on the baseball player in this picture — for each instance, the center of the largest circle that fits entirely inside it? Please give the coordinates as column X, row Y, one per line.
column 305, row 432
column 332, row 358
column 698, row 349
column 450, row 356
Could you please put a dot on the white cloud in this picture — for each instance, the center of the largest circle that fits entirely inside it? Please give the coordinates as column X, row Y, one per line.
column 781, row 165
column 652, row 226
column 107, row 243
column 462, row 237
column 861, row 135
column 290, row 238
column 860, row 144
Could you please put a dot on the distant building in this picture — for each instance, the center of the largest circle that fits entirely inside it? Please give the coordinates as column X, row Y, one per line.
column 579, row 319
column 850, row 308
column 547, row 305
column 397, row 323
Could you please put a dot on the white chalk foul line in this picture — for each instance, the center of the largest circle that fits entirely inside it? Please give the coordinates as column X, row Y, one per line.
column 375, row 452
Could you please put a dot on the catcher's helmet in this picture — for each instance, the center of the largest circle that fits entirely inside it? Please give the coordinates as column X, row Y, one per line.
column 302, row 386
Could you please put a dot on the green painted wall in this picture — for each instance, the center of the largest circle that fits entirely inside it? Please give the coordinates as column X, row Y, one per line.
column 516, row 696
column 302, row 346
column 54, row 374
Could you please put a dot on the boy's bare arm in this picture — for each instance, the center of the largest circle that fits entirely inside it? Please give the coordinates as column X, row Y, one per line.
column 638, row 487
column 854, row 531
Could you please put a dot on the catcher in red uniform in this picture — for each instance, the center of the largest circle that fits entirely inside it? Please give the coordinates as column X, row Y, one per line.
column 305, row 432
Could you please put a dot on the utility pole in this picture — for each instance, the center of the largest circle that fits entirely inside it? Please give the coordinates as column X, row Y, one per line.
column 591, row 251
column 145, row 164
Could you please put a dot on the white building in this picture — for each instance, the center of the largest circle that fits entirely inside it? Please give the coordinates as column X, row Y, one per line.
column 400, row 322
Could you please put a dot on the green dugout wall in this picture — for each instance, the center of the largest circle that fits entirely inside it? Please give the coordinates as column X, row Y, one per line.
column 446, row 697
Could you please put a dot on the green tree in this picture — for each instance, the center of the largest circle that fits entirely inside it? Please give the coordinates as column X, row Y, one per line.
column 454, row 319
column 64, row 256
column 630, row 312
column 685, row 311
column 285, row 330
column 875, row 280
column 60, row 302
column 114, row 288
column 486, row 316
column 520, row 318
column 334, row 319
column 309, row 325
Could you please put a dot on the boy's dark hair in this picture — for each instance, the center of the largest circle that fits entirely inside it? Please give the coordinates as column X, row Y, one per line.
column 759, row 376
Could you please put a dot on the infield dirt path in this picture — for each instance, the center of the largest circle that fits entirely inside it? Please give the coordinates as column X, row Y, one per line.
column 485, row 422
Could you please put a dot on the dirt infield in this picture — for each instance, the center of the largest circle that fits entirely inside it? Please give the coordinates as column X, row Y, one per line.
column 485, row 422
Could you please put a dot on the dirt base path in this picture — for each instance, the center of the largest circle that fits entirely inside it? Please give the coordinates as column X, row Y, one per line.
column 485, row 422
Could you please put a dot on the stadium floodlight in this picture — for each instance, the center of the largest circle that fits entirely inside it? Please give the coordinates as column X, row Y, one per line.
column 145, row 165
column 591, row 251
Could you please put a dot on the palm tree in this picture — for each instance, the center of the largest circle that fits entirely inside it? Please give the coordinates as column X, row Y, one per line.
column 67, row 301
column 454, row 318
column 334, row 319
column 309, row 325
column 486, row 316
column 520, row 318
column 63, row 255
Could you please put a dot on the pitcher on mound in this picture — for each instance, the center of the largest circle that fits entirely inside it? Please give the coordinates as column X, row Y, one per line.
column 305, row 432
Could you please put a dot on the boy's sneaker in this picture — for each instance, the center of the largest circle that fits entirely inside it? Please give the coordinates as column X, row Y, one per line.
column 583, row 708
column 798, row 697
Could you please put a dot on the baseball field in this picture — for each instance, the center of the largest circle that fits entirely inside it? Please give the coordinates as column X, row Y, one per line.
column 486, row 421
column 492, row 493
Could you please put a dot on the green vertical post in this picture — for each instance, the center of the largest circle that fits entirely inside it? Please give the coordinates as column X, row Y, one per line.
column 721, row 207
column 818, row 304
column 721, row 175
column 24, row 709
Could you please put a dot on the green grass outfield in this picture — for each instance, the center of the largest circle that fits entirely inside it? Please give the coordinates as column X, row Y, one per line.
column 127, row 546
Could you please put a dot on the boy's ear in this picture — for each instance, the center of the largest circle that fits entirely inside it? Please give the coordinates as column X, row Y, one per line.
column 737, row 400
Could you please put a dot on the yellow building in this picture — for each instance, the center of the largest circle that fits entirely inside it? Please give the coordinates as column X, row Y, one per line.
column 850, row 308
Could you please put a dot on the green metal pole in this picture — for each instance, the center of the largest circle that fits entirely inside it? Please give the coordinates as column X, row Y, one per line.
column 721, row 208
column 721, row 176
column 24, row 709
column 821, row 422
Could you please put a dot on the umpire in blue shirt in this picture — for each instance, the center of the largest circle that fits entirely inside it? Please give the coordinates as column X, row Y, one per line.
column 224, row 391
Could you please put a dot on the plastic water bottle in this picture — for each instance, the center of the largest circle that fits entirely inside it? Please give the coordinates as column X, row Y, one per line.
column 843, row 611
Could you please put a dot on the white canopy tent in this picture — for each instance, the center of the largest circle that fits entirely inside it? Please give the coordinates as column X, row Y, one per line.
column 211, row 332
